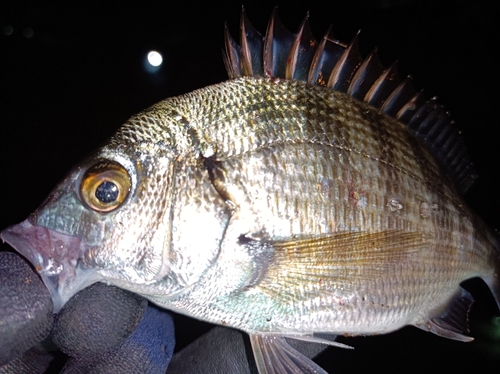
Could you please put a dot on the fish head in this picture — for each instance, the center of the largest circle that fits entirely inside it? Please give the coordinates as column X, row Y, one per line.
column 106, row 221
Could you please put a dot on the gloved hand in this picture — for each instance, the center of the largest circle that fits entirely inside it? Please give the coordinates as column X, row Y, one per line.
column 102, row 329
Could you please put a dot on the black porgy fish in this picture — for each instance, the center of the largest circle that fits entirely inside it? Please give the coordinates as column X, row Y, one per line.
column 313, row 192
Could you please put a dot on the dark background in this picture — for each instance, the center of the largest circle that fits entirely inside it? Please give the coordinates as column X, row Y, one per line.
column 71, row 74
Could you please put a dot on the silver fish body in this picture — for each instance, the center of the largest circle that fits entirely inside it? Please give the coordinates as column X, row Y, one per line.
column 270, row 205
column 295, row 201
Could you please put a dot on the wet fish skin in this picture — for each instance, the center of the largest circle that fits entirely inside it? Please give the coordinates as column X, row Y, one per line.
column 314, row 213
column 280, row 161
column 276, row 183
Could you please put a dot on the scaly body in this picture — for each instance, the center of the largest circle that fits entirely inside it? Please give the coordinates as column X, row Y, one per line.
column 291, row 162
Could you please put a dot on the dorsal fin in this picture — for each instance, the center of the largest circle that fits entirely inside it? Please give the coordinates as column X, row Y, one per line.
column 330, row 63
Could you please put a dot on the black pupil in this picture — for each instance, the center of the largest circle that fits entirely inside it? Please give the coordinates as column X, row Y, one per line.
column 107, row 192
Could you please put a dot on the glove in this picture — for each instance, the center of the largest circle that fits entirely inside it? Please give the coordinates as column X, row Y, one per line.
column 102, row 329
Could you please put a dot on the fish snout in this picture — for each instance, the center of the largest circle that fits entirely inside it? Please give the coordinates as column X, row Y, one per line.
column 55, row 256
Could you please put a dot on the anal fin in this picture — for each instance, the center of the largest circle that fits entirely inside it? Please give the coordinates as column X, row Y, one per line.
column 453, row 322
column 273, row 354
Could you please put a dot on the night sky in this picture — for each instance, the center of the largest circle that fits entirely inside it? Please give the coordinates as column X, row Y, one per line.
column 71, row 74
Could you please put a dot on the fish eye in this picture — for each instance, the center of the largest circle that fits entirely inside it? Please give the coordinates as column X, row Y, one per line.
column 105, row 186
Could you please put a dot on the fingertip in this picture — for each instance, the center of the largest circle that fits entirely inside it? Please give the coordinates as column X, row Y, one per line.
column 96, row 320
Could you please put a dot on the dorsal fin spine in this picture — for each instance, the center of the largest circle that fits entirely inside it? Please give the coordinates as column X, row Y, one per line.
column 366, row 76
column 251, row 47
column 232, row 55
column 410, row 108
column 277, row 45
column 294, row 51
column 246, row 57
column 325, row 58
column 437, row 128
column 424, row 115
column 383, row 86
column 345, row 68
column 330, row 63
column 302, row 52
column 398, row 98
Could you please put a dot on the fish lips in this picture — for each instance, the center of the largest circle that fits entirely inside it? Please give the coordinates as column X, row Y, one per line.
column 55, row 256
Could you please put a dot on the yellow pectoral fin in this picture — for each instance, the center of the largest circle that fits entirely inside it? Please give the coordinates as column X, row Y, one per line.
column 337, row 261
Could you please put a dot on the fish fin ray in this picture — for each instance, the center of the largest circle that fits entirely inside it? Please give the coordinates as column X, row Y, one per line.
column 408, row 109
column 447, row 146
column 368, row 73
column 252, row 43
column 273, row 354
column 326, row 56
column 341, row 260
column 346, row 67
column 301, row 53
column 401, row 95
column 383, row 86
column 277, row 45
column 232, row 55
column 282, row 54
column 452, row 323
column 326, row 339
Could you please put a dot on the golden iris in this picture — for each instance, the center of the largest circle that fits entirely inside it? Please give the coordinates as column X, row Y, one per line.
column 105, row 186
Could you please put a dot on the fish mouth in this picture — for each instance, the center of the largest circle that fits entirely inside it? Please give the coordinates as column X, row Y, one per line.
column 55, row 256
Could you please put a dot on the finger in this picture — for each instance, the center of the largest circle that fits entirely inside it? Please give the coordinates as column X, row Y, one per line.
column 25, row 307
column 147, row 351
column 221, row 350
column 96, row 320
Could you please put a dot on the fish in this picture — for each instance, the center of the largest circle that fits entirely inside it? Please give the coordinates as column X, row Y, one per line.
column 319, row 208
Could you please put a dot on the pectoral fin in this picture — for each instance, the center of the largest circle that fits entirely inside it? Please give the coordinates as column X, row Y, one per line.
column 453, row 322
column 338, row 261
column 273, row 354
